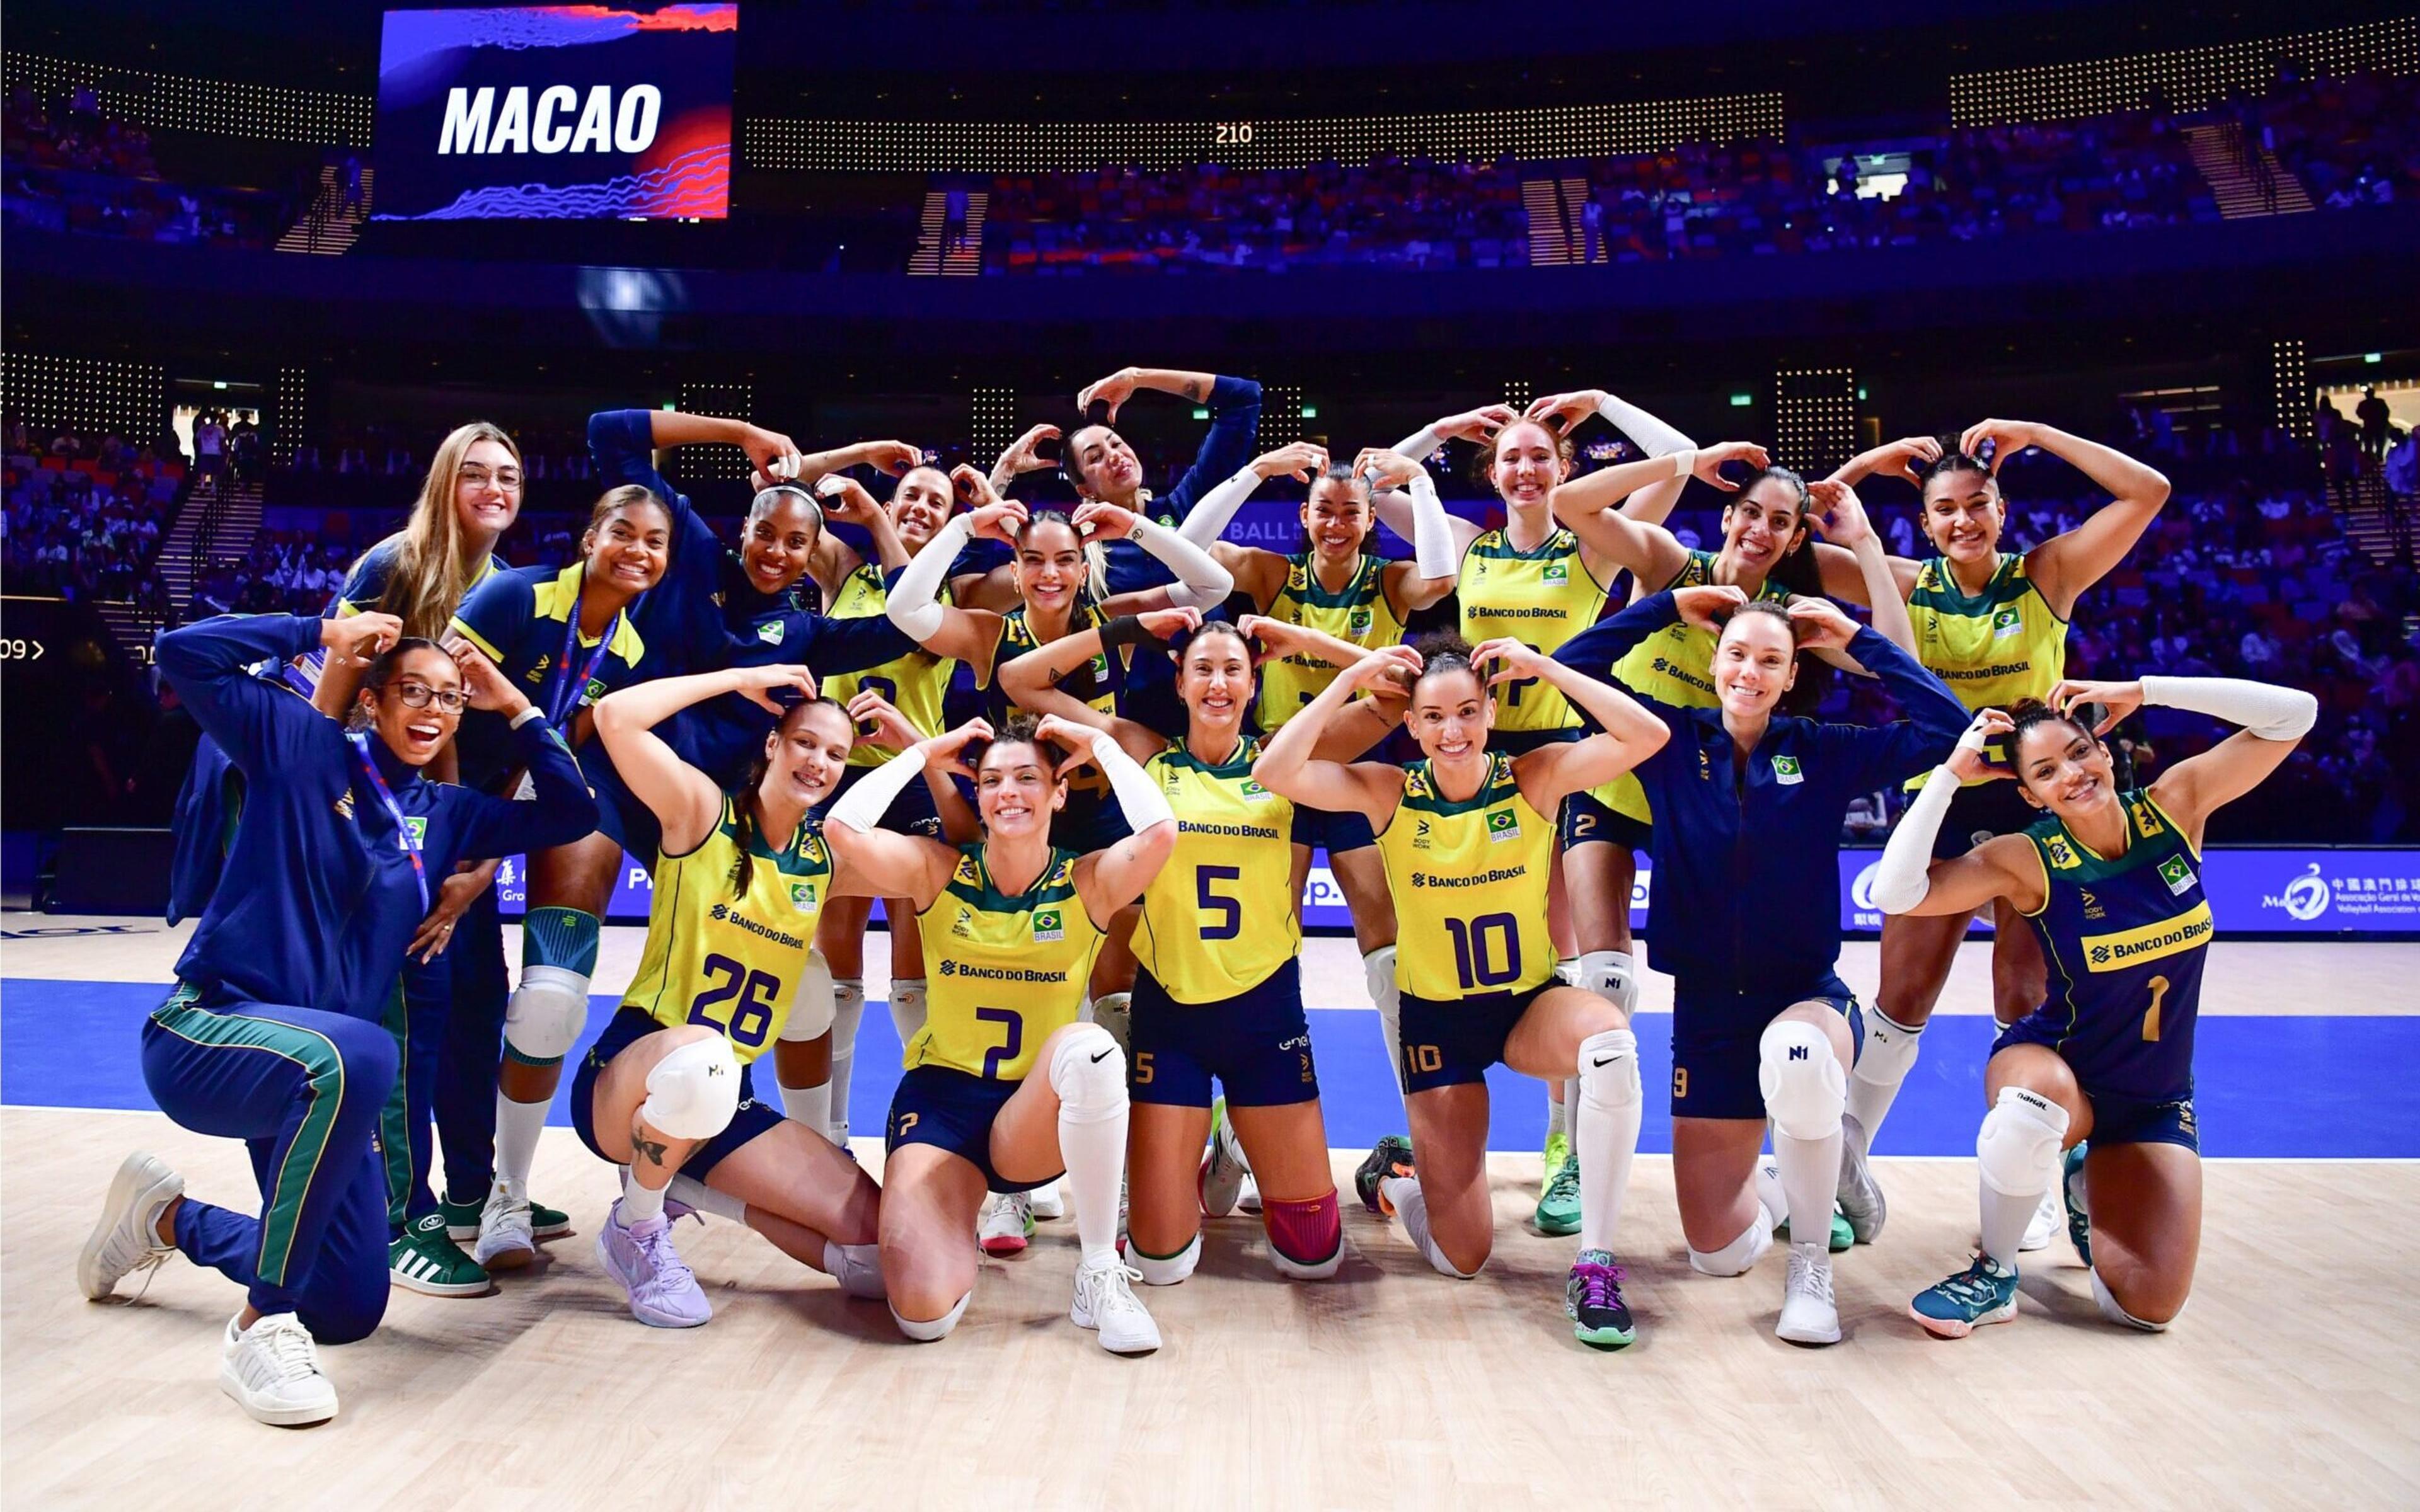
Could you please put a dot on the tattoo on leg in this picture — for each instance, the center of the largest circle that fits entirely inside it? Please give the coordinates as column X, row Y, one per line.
column 645, row 1146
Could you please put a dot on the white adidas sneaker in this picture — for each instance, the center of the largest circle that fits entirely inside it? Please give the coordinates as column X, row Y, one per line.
column 127, row 1238
column 272, row 1371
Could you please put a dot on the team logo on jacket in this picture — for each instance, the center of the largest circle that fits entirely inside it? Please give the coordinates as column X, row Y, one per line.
column 2176, row 874
column 1786, row 772
column 802, row 897
column 1048, row 925
column 345, row 804
column 415, row 830
column 2007, row 622
column 1502, row 825
column 771, row 632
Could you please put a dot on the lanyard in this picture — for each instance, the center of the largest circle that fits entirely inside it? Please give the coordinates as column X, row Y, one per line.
column 402, row 834
column 564, row 695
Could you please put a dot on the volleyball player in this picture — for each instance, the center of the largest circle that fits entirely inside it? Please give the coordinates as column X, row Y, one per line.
column 1993, row 625
column 666, row 1089
column 1218, row 996
column 1004, row 1088
column 274, row 1034
column 2110, row 881
column 1104, row 468
column 567, row 636
column 1535, row 581
column 1746, row 899
column 1468, row 848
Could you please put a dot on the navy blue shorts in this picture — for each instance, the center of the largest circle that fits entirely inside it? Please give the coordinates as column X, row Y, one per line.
column 953, row 1110
column 2118, row 1118
column 1588, row 820
column 628, row 1027
column 1981, row 812
column 1714, row 1044
column 1256, row 1044
column 910, row 813
column 1334, row 833
column 1450, row 1041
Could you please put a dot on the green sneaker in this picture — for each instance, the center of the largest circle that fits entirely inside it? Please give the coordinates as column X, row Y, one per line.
column 425, row 1260
column 462, row 1218
column 1392, row 1156
column 1984, row 1292
column 2079, row 1216
column 1559, row 1208
column 1551, row 1159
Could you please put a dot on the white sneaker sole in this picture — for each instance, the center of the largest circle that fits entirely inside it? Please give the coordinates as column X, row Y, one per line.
column 508, row 1254
column 136, row 1182
column 276, row 1417
column 438, row 1289
column 1136, row 1345
column 1803, row 1333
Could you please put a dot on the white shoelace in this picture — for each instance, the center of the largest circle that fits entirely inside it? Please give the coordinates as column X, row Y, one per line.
column 1109, row 1288
column 1809, row 1275
column 290, row 1348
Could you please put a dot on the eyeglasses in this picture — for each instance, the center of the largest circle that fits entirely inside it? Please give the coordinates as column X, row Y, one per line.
column 420, row 696
column 479, row 478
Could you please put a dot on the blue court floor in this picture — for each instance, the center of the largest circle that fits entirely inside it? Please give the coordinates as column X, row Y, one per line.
column 2301, row 1086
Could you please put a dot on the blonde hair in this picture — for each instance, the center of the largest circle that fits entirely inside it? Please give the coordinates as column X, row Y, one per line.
column 434, row 566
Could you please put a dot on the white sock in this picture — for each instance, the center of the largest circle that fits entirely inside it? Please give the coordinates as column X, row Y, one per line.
column 2107, row 1300
column 1884, row 1058
column 517, row 1127
column 1093, row 1119
column 1378, row 972
column 1810, row 1178
column 1770, row 1196
column 849, row 1010
column 907, row 1007
column 704, row 1198
column 858, row 1268
column 1157, row 1271
column 939, row 1328
column 1412, row 1208
column 1605, row 1124
column 808, row 1105
column 641, row 1203
column 1738, row 1257
column 1559, row 1111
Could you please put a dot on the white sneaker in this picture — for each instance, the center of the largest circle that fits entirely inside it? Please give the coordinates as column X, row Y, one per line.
column 1224, row 1169
column 1809, row 1315
column 1045, row 1201
column 2048, row 1218
column 272, row 1371
column 1006, row 1223
column 127, row 1238
column 1104, row 1301
column 1248, row 1198
column 504, row 1240
column 1860, row 1196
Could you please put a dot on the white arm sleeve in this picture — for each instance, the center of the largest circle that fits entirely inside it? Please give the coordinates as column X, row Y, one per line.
column 1200, row 580
column 914, row 601
column 1659, row 438
column 1432, row 543
column 869, row 798
column 1418, row 444
column 1904, row 876
column 2270, row 712
column 1137, row 795
column 1210, row 518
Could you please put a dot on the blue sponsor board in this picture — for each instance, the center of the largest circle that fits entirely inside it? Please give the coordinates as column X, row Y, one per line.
column 2259, row 891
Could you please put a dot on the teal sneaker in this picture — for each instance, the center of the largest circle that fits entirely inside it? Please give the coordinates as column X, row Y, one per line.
column 425, row 1260
column 1392, row 1156
column 2078, row 1215
column 1559, row 1208
column 1592, row 1301
column 462, row 1218
column 1984, row 1292
column 1842, row 1236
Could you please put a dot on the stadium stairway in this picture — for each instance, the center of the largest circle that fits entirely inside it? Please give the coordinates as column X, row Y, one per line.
column 328, row 227
column 2382, row 523
column 2246, row 181
column 947, row 247
column 216, row 523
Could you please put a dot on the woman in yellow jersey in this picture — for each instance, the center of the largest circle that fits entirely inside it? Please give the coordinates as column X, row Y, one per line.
column 1468, row 845
column 1004, row 1087
column 666, row 1089
column 1534, row 581
column 1219, row 993
column 1991, row 625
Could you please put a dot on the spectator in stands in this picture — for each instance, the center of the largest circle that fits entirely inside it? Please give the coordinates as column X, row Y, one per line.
column 2374, row 416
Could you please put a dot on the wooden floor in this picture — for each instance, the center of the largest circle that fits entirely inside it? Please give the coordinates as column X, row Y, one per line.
column 2290, row 1380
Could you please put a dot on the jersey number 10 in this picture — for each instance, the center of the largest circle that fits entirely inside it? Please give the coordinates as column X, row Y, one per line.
column 1475, row 955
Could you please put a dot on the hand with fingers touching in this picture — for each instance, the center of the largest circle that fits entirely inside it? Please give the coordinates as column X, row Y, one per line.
column 773, row 454
column 1163, row 624
column 1513, row 661
column 1098, row 520
column 1387, row 469
column 1067, row 735
column 1272, row 639
column 1708, row 465
column 946, row 752
column 1113, row 390
column 845, row 498
column 1561, row 412
column 1904, row 458
column 357, row 638
column 2117, row 700
column 892, row 457
column 1477, row 425
column 485, row 686
column 997, row 520
column 1820, row 624
column 2006, row 437
column 1392, row 674
column 1972, row 761
column 1022, row 456
column 1298, row 460
column 880, row 723
column 1709, row 606
column 1839, row 516
column 758, row 684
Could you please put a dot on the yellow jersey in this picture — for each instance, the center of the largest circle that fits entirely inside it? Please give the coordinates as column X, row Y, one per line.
column 730, row 960
column 1359, row 612
column 1469, row 885
column 1219, row 918
column 1993, row 648
column 1002, row 973
column 1541, row 598
column 916, row 682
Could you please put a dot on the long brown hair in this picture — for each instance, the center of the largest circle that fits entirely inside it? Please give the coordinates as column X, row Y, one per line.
column 747, row 802
column 434, row 566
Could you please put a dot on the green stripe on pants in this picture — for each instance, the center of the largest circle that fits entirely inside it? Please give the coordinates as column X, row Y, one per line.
column 394, row 1119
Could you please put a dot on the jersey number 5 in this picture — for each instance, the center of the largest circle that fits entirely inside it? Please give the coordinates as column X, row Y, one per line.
column 1230, row 910
column 757, row 993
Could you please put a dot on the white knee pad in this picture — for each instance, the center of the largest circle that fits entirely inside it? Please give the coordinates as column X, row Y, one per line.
column 1612, row 976
column 939, row 1328
column 810, row 1009
column 1111, row 1010
column 2018, row 1139
column 847, row 1011
column 1378, row 972
column 1740, row 1256
column 1608, row 1070
column 1804, row 1088
column 544, row 1016
column 906, row 1006
column 1170, row 1271
column 1088, row 1072
column 693, row 1091
column 2119, row 1316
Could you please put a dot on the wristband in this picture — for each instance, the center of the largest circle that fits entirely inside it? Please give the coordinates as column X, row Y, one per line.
column 1684, row 462
column 1126, row 630
column 529, row 712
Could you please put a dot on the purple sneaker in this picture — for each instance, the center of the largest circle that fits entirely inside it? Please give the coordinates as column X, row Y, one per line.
column 639, row 1256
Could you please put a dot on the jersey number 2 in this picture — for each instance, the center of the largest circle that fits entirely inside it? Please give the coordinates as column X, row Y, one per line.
column 757, row 993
